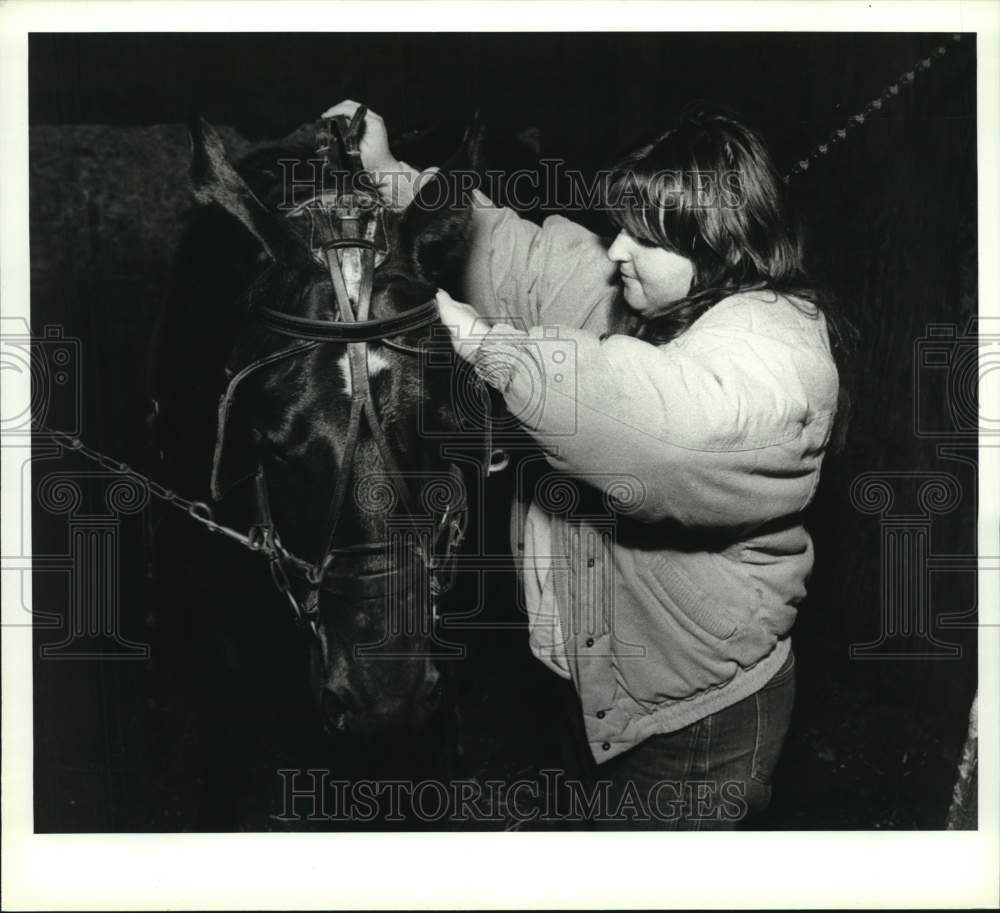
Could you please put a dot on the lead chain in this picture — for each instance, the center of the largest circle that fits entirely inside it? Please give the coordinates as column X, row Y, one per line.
column 876, row 104
column 197, row 510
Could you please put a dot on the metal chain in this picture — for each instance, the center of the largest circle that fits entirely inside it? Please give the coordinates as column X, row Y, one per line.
column 876, row 104
column 197, row 510
column 258, row 540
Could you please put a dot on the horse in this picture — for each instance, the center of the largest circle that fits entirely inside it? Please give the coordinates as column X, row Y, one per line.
column 340, row 445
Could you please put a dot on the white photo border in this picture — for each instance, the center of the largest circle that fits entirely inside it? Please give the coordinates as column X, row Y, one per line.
column 283, row 871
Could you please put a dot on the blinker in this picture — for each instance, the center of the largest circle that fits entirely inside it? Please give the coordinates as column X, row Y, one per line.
column 327, row 216
column 351, row 211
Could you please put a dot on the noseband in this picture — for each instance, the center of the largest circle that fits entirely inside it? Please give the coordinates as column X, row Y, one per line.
column 344, row 235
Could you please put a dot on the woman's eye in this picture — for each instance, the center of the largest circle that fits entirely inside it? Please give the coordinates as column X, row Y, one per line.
column 635, row 239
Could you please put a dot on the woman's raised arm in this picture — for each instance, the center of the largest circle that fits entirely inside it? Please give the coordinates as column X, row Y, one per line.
column 516, row 271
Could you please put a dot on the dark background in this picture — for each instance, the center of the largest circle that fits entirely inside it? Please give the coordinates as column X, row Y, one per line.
column 891, row 216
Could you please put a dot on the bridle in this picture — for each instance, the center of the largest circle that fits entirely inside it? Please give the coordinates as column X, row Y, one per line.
column 343, row 236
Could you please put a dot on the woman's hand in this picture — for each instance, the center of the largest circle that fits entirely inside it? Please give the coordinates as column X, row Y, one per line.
column 376, row 155
column 398, row 183
column 466, row 326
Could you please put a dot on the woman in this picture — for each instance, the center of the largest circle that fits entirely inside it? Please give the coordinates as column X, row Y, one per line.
column 690, row 380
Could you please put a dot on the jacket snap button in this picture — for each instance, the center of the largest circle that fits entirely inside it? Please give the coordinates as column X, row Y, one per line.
column 590, row 641
column 606, row 746
column 599, row 714
column 591, row 562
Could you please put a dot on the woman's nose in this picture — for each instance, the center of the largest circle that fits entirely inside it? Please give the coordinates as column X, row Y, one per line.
column 618, row 251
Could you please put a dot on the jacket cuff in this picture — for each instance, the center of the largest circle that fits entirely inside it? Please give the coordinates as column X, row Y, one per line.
column 497, row 354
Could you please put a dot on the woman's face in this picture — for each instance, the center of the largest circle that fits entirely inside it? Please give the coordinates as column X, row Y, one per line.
column 653, row 278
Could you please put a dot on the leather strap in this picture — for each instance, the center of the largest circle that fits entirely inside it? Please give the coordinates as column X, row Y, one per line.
column 355, row 331
column 226, row 403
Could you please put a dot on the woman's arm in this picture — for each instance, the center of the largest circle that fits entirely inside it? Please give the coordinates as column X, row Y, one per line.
column 525, row 274
column 726, row 430
column 516, row 271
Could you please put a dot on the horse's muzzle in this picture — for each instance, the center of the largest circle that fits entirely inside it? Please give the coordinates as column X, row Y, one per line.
column 347, row 711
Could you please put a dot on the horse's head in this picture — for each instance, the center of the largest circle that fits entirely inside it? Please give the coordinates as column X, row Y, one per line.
column 335, row 444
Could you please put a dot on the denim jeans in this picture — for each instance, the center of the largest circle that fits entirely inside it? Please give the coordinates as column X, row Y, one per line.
column 711, row 775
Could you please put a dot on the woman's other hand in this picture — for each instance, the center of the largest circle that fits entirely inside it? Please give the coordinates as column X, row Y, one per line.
column 398, row 183
column 376, row 155
column 466, row 326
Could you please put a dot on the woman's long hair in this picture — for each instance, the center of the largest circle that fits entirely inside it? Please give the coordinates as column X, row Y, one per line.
column 707, row 189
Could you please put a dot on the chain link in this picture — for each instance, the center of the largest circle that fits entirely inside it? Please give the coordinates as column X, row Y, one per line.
column 258, row 540
column 197, row 510
column 856, row 120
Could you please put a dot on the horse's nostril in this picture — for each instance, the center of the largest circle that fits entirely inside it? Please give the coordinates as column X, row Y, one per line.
column 435, row 690
column 337, row 704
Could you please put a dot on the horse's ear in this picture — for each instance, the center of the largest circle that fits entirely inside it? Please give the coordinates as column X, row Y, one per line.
column 215, row 180
column 434, row 231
